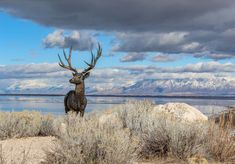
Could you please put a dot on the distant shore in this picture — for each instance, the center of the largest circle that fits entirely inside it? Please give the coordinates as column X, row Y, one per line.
column 232, row 97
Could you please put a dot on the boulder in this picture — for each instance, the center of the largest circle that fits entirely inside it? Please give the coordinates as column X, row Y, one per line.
column 180, row 111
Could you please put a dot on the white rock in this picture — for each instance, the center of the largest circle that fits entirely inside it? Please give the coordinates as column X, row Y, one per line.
column 180, row 111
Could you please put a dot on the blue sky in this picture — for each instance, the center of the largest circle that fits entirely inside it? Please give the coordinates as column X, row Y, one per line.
column 161, row 42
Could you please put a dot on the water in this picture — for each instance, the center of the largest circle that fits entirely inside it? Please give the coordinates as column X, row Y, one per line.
column 54, row 104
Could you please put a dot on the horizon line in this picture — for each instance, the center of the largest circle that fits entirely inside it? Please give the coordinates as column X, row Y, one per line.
column 129, row 95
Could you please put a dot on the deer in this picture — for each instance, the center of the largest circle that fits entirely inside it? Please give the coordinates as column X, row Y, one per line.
column 75, row 100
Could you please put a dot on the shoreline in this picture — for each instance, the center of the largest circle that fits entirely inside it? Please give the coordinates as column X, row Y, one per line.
column 134, row 96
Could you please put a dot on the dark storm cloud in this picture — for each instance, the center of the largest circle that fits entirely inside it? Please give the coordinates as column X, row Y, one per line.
column 172, row 42
column 124, row 15
column 208, row 44
column 205, row 27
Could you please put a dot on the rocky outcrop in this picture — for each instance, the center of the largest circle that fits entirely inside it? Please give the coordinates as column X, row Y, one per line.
column 180, row 111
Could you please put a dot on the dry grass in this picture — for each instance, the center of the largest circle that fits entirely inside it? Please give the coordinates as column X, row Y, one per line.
column 220, row 144
column 168, row 138
column 130, row 132
column 47, row 125
column 24, row 124
column 125, row 133
column 161, row 136
column 87, row 141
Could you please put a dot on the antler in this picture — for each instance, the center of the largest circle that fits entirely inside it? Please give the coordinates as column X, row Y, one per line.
column 94, row 59
column 68, row 59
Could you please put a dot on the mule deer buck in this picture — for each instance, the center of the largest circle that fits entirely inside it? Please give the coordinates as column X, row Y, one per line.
column 75, row 100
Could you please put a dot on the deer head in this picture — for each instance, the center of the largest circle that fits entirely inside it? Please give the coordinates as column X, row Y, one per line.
column 79, row 77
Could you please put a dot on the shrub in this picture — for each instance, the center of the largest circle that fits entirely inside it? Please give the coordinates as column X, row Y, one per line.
column 24, row 124
column 87, row 141
column 123, row 134
column 164, row 137
column 220, row 144
column 135, row 115
column 47, row 128
column 19, row 124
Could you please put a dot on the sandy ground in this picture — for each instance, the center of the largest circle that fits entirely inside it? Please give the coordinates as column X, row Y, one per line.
column 31, row 151
column 15, row 151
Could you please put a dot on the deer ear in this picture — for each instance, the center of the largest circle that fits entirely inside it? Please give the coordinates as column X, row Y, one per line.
column 86, row 75
column 74, row 74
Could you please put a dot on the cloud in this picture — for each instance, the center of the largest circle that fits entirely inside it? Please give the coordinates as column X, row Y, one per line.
column 179, row 26
column 202, row 44
column 125, row 15
column 149, row 41
column 190, row 46
column 78, row 40
column 172, row 42
column 31, row 71
column 215, row 56
column 28, row 84
column 52, row 70
column 49, row 78
column 132, row 57
column 209, row 67
column 164, row 58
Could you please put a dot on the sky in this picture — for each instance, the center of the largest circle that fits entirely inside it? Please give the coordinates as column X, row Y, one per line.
column 156, row 47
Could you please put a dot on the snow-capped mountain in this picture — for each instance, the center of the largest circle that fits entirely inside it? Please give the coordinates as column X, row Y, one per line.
column 216, row 86
column 185, row 86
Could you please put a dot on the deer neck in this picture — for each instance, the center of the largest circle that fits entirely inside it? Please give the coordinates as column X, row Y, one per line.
column 80, row 89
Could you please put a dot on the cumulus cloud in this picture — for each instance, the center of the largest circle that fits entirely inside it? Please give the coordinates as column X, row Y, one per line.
column 190, row 46
column 78, row 40
column 132, row 57
column 164, row 58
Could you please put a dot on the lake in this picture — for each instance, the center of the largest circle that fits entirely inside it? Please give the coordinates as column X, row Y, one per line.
column 55, row 105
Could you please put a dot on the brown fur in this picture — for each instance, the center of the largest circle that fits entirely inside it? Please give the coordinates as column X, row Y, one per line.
column 76, row 100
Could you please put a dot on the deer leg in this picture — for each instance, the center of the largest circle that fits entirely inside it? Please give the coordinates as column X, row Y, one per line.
column 82, row 110
column 66, row 109
column 81, row 113
column 76, row 112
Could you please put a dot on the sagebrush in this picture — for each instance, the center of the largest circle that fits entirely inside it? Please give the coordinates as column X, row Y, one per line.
column 25, row 124
column 123, row 134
